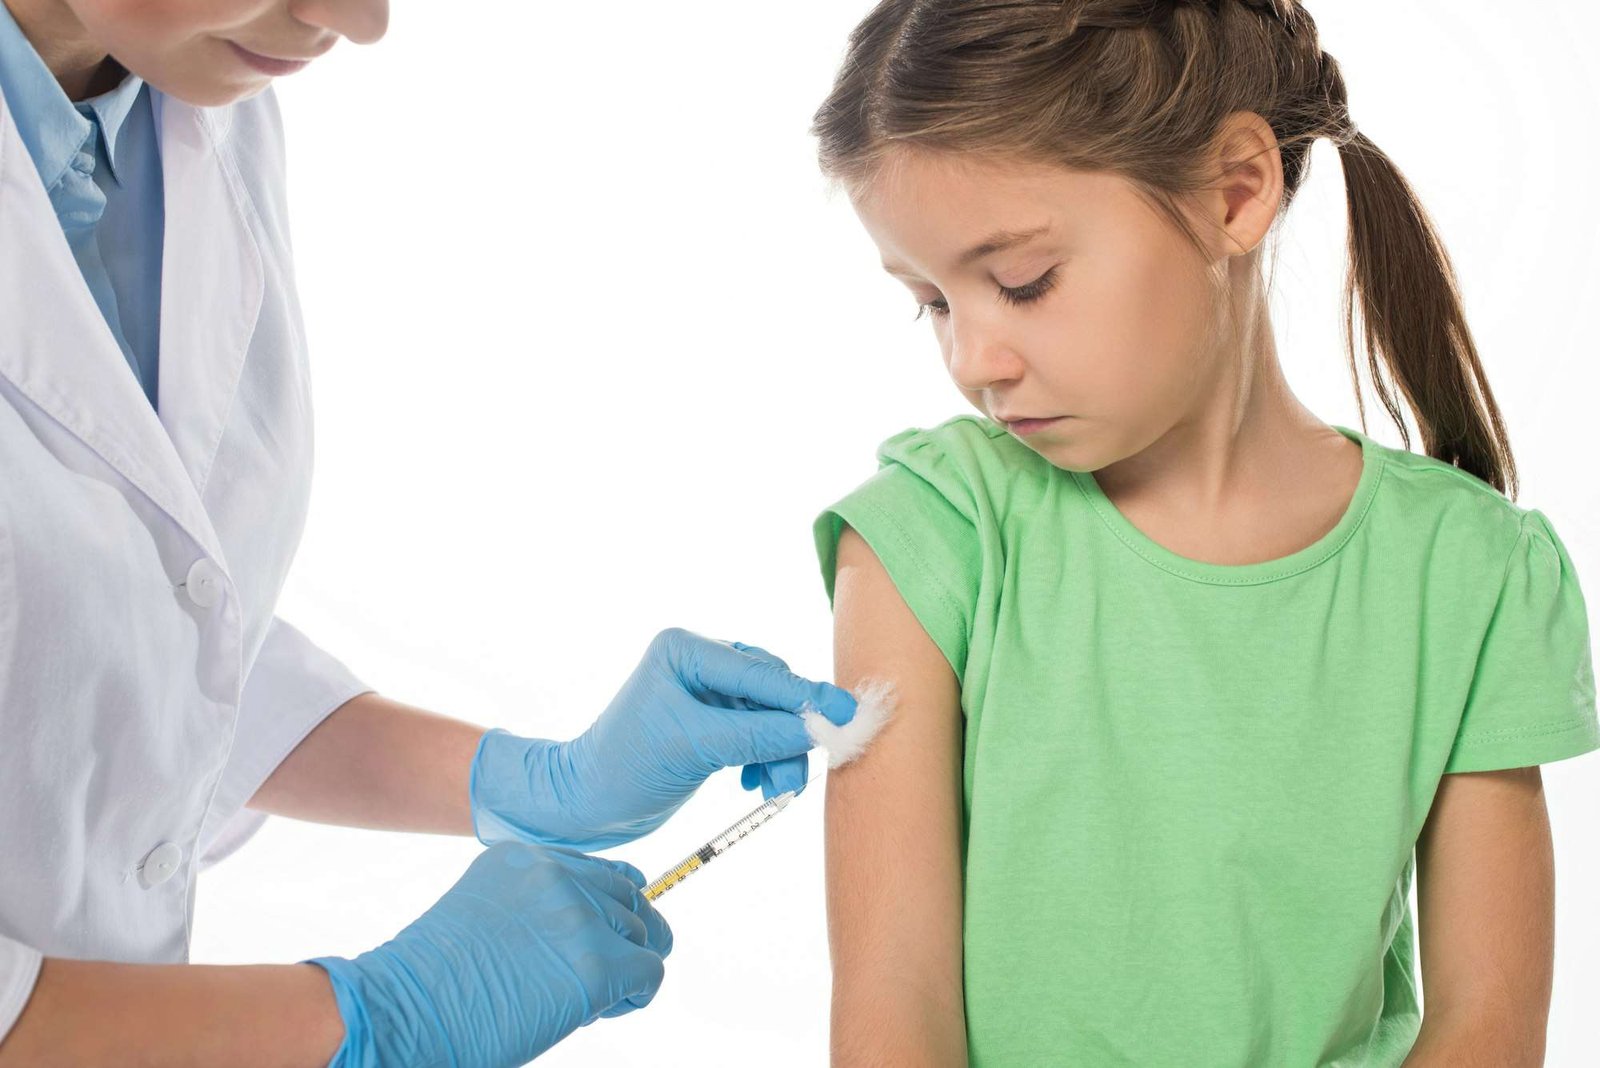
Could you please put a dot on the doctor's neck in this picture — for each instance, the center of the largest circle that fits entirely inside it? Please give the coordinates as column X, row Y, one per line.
column 82, row 68
column 207, row 54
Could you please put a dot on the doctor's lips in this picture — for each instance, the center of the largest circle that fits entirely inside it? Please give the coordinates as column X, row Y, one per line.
column 270, row 65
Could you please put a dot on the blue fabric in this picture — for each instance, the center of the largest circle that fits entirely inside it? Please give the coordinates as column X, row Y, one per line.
column 101, row 166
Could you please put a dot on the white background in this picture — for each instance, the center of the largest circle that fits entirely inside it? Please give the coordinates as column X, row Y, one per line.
column 592, row 346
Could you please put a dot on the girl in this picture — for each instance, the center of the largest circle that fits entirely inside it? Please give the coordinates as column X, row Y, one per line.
column 1185, row 673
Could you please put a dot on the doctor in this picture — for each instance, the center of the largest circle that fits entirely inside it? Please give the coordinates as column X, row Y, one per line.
column 155, row 459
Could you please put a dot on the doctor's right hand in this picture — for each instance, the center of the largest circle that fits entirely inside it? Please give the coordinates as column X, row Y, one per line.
column 530, row 944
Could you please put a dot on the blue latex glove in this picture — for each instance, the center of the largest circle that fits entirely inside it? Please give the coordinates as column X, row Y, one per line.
column 777, row 776
column 530, row 944
column 692, row 707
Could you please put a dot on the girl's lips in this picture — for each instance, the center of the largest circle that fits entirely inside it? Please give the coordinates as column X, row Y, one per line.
column 1024, row 427
column 274, row 68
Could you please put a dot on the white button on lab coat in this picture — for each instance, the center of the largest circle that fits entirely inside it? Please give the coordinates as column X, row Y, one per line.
column 203, row 583
column 160, row 865
column 146, row 688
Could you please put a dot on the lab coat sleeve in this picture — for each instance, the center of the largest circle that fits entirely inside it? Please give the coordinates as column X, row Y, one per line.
column 291, row 688
column 19, row 970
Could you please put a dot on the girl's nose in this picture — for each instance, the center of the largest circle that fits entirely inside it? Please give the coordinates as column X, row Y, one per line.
column 357, row 21
column 979, row 358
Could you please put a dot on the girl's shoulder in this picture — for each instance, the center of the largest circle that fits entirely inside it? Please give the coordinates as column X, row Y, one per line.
column 969, row 456
column 960, row 435
column 1458, row 515
column 1422, row 506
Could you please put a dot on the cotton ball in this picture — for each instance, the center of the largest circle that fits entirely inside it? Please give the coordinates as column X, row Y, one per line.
column 873, row 704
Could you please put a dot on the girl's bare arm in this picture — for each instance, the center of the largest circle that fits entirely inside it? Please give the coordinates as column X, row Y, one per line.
column 893, row 838
column 1486, row 921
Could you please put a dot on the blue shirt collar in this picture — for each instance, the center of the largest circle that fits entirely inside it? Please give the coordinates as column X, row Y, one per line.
column 53, row 128
column 111, row 108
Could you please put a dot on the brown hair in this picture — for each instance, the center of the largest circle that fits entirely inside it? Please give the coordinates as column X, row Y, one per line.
column 1140, row 88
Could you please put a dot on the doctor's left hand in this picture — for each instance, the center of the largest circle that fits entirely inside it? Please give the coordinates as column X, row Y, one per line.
column 692, row 707
column 530, row 944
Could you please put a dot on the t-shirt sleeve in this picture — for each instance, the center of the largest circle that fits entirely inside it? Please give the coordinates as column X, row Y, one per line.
column 1532, row 698
column 916, row 514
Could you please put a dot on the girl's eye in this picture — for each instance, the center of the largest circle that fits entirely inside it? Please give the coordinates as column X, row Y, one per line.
column 1032, row 291
column 1021, row 295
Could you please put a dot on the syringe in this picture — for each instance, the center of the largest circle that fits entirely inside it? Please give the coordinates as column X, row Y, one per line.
column 718, row 845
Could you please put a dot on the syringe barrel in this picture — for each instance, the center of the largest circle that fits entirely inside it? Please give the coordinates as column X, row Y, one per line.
column 718, row 845
column 679, row 872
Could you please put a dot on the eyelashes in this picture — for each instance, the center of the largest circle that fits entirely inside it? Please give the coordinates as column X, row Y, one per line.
column 1021, row 295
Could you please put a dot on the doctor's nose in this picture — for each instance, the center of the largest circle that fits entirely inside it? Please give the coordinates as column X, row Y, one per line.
column 978, row 359
column 357, row 21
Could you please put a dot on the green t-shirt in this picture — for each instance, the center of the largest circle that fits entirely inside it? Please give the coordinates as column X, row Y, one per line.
column 1191, row 790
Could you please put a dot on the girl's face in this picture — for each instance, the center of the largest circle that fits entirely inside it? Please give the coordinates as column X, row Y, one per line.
column 1066, row 307
column 212, row 52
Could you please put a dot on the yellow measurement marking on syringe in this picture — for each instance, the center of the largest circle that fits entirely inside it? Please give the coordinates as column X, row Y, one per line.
column 717, row 846
column 671, row 879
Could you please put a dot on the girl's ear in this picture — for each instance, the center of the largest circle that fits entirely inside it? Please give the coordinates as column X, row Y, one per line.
column 1241, row 207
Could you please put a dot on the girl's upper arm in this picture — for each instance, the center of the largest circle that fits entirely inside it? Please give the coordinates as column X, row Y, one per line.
column 894, row 835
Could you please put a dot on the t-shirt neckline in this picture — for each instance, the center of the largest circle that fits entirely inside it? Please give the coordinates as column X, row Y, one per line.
column 1261, row 570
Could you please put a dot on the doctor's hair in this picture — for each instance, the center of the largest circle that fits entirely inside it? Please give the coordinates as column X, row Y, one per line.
column 1141, row 88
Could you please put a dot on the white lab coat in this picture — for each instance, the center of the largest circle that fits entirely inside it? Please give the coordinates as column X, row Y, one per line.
column 146, row 688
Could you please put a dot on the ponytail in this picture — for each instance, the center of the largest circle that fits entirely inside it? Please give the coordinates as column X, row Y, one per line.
column 1411, row 313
